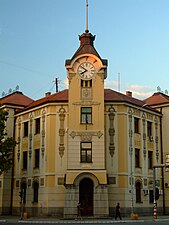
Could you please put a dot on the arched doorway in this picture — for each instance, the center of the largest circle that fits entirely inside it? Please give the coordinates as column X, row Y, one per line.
column 138, row 192
column 86, row 196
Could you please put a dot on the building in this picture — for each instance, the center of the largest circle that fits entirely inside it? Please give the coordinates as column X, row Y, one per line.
column 160, row 102
column 86, row 144
column 12, row 102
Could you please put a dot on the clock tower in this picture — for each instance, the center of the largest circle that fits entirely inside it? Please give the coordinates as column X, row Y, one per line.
column 86, row 175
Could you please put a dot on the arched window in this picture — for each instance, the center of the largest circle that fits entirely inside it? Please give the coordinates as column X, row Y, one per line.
column 138, row 192
column 35, row 191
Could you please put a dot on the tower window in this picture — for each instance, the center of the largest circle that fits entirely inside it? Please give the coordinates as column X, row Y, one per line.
column 136, row 125
column 36, row 158
column 149, row 128
column 25, row 160
column 37, row 126
column 137, row 157
column 86, row 83
column 150, row 159
column 86, row 115
column 25, row 129
column 86, row 152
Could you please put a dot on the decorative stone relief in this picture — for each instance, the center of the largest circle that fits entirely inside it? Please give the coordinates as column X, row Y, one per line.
column 130, row 132
column 61, row 131
column 43, row 133
column 86, row 103
column 86, row 135
column 30, row 137
column 111, row 131
column 156, row 138
column 19, row 137
column 86, row 93
column 144, row 136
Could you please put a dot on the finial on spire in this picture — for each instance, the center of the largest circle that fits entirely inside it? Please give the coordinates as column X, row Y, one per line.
column 87, row 30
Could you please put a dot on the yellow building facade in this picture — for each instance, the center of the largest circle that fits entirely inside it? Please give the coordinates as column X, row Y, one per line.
column 86, row 144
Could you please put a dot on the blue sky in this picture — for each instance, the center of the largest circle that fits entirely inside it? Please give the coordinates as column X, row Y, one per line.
column 37, row 36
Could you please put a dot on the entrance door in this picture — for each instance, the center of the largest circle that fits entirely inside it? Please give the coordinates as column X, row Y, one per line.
column 86, row 196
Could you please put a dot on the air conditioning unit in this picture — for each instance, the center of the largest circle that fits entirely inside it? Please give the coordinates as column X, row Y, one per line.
column 151, row 138
column 146, row 192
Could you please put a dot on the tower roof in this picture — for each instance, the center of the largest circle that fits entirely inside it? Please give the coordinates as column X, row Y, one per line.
column 86, row 47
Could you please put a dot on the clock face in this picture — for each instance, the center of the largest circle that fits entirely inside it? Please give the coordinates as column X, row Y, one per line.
column 86, row 70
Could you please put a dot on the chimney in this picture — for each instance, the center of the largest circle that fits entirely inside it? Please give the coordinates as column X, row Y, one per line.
column 129, row 93
column 47, row 94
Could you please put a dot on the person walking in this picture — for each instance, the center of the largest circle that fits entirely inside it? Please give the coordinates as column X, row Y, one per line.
column 118, row 213
column 79, row 211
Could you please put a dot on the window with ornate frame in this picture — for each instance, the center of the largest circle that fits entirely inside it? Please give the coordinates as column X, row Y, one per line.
column 86, row 115
column 86, row 152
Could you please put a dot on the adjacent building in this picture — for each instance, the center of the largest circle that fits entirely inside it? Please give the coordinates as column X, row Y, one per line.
column 12, row 102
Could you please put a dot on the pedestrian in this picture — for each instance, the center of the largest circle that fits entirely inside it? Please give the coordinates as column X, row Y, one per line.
column 118, row 214
column 79, row 211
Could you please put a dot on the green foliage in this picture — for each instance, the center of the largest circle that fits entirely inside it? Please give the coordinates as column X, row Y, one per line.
column 7, row 144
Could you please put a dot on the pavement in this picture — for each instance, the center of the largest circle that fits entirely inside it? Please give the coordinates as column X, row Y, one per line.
column 37, row 220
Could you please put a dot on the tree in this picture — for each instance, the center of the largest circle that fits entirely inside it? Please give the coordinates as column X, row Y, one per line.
column 7, row 144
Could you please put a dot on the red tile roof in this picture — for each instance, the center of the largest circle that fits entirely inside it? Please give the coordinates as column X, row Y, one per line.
column 61, row 96
column 109, row 96
column 16, row 99
column 157, row 98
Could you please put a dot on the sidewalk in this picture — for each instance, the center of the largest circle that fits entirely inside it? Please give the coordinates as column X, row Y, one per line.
column 36, row 220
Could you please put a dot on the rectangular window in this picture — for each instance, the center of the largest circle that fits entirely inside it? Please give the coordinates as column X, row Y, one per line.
column 25, row 160
column 149, row 128
column 151, row 196
column 136, row 125
column 86, row 115
column 37, row 158
column 86, row 152
column 25, row 129
column 150, row 160
column 137, row 157
column 37, row 126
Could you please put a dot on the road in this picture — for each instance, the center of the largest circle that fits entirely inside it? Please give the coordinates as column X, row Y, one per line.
column 94, row 222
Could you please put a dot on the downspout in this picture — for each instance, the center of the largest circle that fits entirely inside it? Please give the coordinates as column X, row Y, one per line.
column 161, row 135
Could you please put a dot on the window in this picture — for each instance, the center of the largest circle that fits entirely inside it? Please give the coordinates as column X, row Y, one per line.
column 86, row 115
column 25, row 160
column 151, row 196
column 86, row 83
column 35, row 191
column 138, row 192
column 37, row 126
column 36, row 158
column 86, row 152
column 149, row 128
column 25, row 129
column 136, row 125
column 150, row 160
column 137, row 157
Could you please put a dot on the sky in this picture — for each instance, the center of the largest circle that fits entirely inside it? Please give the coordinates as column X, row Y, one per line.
column 37, row 36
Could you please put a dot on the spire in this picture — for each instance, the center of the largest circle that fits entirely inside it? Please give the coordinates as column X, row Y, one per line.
column 87, row 15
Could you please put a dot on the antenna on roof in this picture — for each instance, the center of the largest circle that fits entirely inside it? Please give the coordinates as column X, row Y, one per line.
column 119, row 82
column 158, row 89
column 166, row 92
column 87, row 29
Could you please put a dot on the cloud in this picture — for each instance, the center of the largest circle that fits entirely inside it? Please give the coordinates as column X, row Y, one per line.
column 138, row 91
